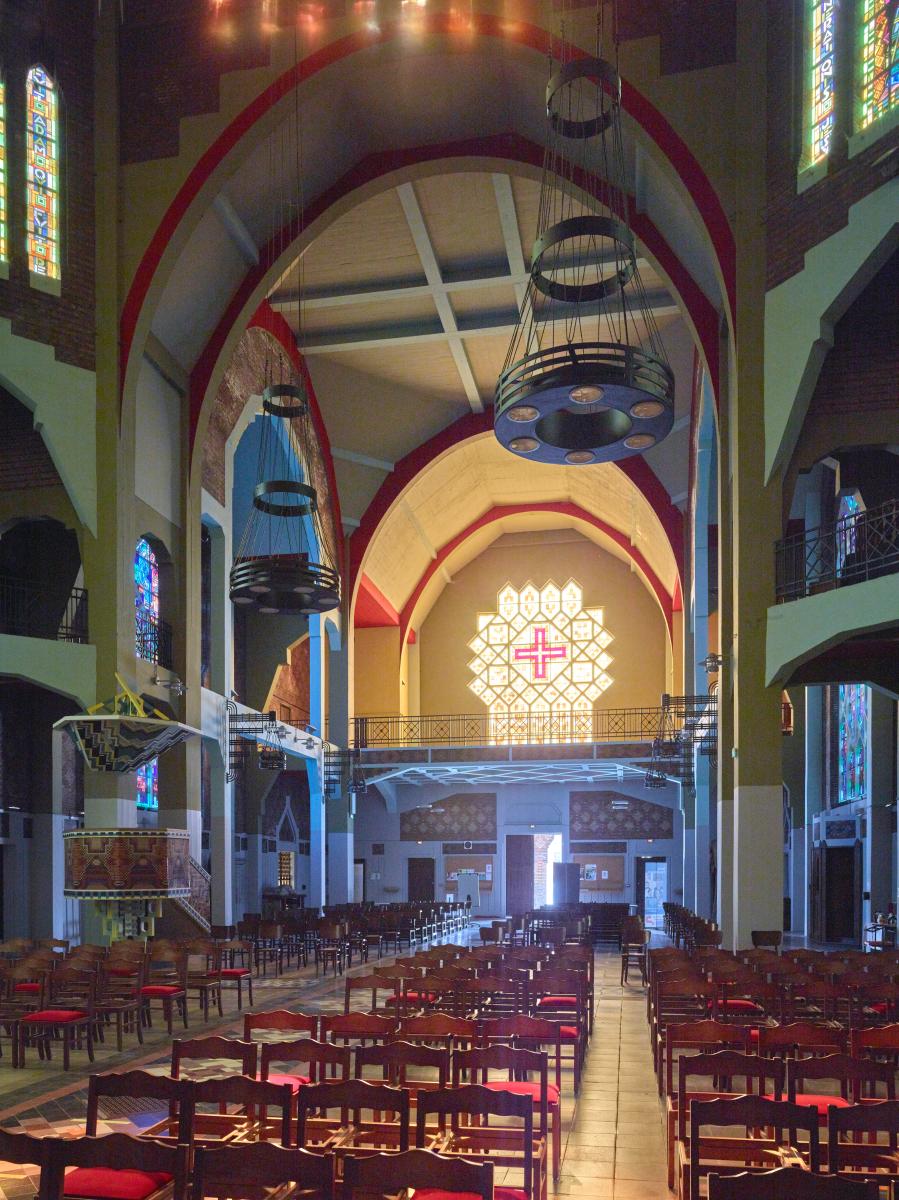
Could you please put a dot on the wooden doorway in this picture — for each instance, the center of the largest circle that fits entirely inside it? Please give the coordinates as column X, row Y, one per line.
column 519, row 873
column 835, row 893
column 420, row 880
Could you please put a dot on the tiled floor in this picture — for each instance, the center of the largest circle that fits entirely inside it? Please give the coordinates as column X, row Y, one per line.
column 613, row 1138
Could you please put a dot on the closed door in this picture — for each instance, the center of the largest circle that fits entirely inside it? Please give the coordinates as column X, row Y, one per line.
column 421, row 879
column 519, row 873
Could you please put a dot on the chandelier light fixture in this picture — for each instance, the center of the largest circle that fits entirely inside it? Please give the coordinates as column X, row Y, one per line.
column 586, row 378
column 282, row 563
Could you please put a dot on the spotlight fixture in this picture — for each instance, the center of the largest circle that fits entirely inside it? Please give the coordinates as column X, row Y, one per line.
column 712, row 663
column 654, row 779
column 586, row 360
column 175, row 685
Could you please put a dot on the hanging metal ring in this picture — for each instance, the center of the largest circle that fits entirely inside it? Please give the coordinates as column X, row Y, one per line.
column 271, row 487
column 296, row 405
column 578, row 227
column 607, row 81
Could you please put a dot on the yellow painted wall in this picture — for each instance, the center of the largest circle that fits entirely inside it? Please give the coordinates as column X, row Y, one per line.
column 377, row 668
column 632, row 616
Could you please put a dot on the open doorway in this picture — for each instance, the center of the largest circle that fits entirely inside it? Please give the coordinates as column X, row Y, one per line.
column 652, row 890
column 547, row 852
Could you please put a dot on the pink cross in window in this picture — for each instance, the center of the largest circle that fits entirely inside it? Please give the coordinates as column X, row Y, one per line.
column 540, row 653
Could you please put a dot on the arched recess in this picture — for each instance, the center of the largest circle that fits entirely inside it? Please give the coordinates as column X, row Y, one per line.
column 525, row 48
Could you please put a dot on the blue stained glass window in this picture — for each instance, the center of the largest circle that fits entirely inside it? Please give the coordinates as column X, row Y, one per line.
column 148, row 785
column 146, row 601
column 852, row 746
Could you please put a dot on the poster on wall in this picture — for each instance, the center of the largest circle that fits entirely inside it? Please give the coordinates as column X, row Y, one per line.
column 589, row 871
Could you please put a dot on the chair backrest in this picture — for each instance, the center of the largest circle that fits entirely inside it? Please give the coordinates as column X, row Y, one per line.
column 246, row 1053
column 876, row 1038
column 767, row 937
column 395, row 1058
column 851, row 1074
column 388, row 1174
column 437, row 1028
column 280, row 1019
column 753, row 1112
column 319, row 1056
column 726, row 1065
column 800, row 1035
column 357, row 1027
column 697, row 1035
column 250, row 1094
column 176, row 1094
column 790, row 1183
column 372, row 984
column 119, row 1152
column 72, row 983
column 240, row 1172
column 878, row 1117
column 25, row 1150
column 356, row 1095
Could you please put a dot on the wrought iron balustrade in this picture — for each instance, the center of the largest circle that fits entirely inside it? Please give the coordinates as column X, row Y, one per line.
column 153, row 639
column 28, row 610
column 508, row 728
column 862, row 546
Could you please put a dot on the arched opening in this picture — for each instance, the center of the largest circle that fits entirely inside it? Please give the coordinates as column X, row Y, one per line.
column 41, row 581
column 153, row 602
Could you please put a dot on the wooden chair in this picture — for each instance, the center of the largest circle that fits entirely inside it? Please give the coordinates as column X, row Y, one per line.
column 527, row 1033
column 786, row 1041
column 770, row 939
column 789, row 1183
column 634, row 944
column 372, row 984
column 261, row 1171
column 700, row 1036
column 395, row 1059
column 249, row 1101
column 854, row 1142
column 70, row 1014
column 167, row 983
column 323, row 1059
column 856, row 1078
column 117, row 1167
column 204, row 974
column 876, row 1041
column 707, row 1153
column 431, row 1175
column 244, row 1053
column 351, row 1130
column 234, row 972
column 439, row 1029
column 175, row 1095
column 280, row 1021
column 364, row 1028
column 28, row 1151
column 119, row 999
column 463, row 1129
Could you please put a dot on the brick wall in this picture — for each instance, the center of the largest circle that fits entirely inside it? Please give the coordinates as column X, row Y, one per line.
column 796, row 222
column 60, row 34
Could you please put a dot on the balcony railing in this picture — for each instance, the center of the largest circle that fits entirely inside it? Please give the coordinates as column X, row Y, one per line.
column 862, row 546
column 510, row 728
column 28, row 610
column 153, row 639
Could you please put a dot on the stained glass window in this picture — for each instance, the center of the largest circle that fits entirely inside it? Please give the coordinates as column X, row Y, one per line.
column 852, row 745
column 879, row 61
column 148, row 785
column 823, row 20
column 540, row 664
column 42, row 194
column 849, row 510
column 4, row 247
column 146, row 601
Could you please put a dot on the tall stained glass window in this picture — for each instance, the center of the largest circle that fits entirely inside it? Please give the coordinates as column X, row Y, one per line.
column 42, row 156
column 849, row 511
column 852, row 744
column 146, row 601
column 148, row 785
column 823, row 20
column 4, row 246
column 879, row 59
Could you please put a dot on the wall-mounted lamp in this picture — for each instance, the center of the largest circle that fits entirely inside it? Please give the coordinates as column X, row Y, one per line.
column 175, row 685
column 711, row 664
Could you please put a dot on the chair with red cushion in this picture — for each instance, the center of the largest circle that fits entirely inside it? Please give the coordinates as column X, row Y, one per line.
column 175, row 1096
column 439, row 1029
column 324, row 1061
column 370, row 985
column 518, row 1064
column 350, row 1130
column 25, row 1150
column 561, row 996
column 790, row 1183
column 204, row 973
column 856, row 1079
column 433, row 1176
column 864, row 1139
column 200, row 1049
column 119, row 999
column 243, row 1110
column 806, row 1037
column 237, row 967
column 119, row 1167
column 70, row 1015
column 166, row 983
column 876, row 1041
column 463, row 1129
column 243, row 1172
column 361, row 1027
column 394, row 1060
column 280, row 1021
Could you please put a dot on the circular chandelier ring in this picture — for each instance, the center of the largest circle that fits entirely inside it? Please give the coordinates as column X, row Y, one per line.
column 607, row 80
column 273, row 487
column 579, row 227
column 294, row 400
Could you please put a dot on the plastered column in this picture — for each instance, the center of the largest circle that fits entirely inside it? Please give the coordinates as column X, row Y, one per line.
column 179, row 793
column 48, row 906
column 814, row 781
column 221, row 838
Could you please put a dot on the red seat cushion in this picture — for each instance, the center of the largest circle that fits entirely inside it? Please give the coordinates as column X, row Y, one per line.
column 28, row 987
column 122, row 972
column 234, row 972
column 429, row 996
column 754, row 1036
column 295, row 1081
column 557, row 1002
column 109, row 1184
column 880, row 1008
column 822, row 1103
column 525, row 1089
column 161, row 989
column 735, row 1004
column 57, row 1016
column 499, row 1193
column 569, row 1032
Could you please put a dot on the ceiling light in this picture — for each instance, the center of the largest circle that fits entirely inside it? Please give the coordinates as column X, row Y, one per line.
column 639, row 441
column 523, row 445
column 644, row 410
column 579, row 457
column 524, row 412
column 586, row 394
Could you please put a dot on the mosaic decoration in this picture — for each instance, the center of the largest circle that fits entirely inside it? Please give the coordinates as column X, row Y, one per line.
column 125, row 864
column 540, row 658
column 879, row 66
column 42, row 157
column 472, row 816
column 592, row 815
column 112, row 743
column 4, row 244
column 852, row 742
column 823, row 21
column 147, row 784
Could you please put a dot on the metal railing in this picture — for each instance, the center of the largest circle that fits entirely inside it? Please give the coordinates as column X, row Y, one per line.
column 862, row 546
column 27, row 610
column 508, row 728
column 153, row 639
